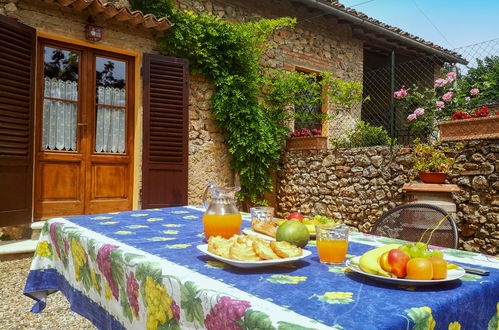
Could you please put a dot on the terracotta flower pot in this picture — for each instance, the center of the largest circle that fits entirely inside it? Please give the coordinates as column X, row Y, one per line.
column 470, row 129
column 432, row 177
column 306, row 142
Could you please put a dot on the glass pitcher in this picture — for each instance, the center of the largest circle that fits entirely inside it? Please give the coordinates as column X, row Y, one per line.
column 221, row 216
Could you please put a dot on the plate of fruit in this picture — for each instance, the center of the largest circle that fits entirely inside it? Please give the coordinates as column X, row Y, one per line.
column 408, row 264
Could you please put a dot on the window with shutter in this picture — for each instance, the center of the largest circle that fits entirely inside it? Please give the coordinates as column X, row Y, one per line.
column 165, row 138
column 17, row 56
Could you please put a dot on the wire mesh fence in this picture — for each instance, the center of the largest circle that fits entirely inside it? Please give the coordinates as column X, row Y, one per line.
column 406, row 99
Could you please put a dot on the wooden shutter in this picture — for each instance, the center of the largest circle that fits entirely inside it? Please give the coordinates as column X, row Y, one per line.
column 165, row 134
column 17, row 74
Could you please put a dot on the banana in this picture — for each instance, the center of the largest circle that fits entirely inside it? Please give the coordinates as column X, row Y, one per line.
column 369, row 261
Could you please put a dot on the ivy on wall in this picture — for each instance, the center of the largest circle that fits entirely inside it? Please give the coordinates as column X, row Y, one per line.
column 249, row 104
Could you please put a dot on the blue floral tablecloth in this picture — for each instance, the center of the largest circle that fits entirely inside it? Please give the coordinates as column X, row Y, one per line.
column 142, row 270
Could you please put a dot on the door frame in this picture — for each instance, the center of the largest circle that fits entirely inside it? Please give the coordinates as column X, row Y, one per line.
column 88, row 53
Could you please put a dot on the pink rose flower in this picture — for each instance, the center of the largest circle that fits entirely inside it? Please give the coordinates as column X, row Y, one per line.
column 440, row 82
column 419, row 112
column 447, row 97
column 474, row 91
column 411, row 117
column 440, row 104
column 400, row 94
column 451, row 76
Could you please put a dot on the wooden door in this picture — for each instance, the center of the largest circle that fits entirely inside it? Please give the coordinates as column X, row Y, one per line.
column 17, row 63
column 165, row 131
column 84, row 131
column 109, row 170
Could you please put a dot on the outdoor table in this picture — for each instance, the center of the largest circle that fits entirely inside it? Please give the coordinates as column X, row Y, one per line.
column 142, row 270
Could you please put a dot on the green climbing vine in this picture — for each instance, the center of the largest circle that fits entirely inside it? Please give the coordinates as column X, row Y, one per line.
column 249, row 103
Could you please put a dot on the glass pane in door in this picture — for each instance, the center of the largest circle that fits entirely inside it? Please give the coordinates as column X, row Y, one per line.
column 60, row 99
column 111, row 105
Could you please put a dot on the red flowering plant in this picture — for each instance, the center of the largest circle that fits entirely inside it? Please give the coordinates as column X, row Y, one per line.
column 461, row 114
column 305, row 132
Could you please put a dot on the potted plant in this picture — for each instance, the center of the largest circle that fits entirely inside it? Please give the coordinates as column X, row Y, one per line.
column 306, row 139
column 478, row 124
column 306, row 102
column 430, row 162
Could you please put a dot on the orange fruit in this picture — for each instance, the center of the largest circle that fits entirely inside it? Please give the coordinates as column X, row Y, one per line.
column 419, row 269
column 439, row 268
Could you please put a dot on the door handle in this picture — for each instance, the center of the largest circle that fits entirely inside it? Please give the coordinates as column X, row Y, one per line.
column 82, row 124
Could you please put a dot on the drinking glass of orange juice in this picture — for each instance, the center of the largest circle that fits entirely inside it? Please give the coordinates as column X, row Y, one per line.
column 221, row 216
column 332, row 243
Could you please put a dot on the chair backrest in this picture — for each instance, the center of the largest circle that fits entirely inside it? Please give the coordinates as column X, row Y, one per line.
column 409, row 222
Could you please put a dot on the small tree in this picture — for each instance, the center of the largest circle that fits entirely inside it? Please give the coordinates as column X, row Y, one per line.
column 485, row 77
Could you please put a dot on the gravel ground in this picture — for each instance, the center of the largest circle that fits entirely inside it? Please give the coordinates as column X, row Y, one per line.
column 15, row 307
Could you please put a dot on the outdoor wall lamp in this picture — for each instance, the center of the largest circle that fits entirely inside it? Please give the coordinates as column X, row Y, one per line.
column 93, row 32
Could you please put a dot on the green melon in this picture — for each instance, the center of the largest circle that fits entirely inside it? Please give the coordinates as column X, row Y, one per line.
column 294, row 232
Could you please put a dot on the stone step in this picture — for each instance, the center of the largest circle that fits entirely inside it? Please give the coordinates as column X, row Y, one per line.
column 17, row 249
column 36, row 228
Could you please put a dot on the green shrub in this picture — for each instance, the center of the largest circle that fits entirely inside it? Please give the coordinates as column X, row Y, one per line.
column 363, row 135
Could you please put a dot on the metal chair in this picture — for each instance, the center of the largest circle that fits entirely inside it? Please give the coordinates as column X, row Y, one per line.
column 410, row 221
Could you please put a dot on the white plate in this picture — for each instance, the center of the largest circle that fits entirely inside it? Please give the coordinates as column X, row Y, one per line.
column 250, row 231
column 452, row 274
column 252, row 264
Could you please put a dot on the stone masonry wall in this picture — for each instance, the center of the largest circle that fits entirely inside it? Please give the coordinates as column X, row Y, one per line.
column 319, row 45
column 358, row 185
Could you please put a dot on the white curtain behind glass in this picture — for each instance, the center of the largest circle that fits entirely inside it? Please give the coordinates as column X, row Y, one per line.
column 60, row 117
column 110, row 125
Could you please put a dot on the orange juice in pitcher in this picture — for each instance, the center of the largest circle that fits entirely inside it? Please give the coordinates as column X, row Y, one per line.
column 226, row 225
column 221, row 216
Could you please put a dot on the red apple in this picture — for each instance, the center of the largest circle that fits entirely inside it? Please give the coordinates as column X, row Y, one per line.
column 296, row 216
column 395, row 261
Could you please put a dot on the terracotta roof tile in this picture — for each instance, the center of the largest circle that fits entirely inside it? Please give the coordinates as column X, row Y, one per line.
column 361, row 15
column 111, row 11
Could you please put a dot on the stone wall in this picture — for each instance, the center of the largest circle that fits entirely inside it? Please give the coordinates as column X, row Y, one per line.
column 358, row 185
column 321, row 45
column 208, row 154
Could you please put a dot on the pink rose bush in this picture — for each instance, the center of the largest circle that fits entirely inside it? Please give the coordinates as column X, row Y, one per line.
column 450, row 76
column 419, row 112
column 447, row 97
column 440, row 83
column 400, row 94
column 426, row 106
